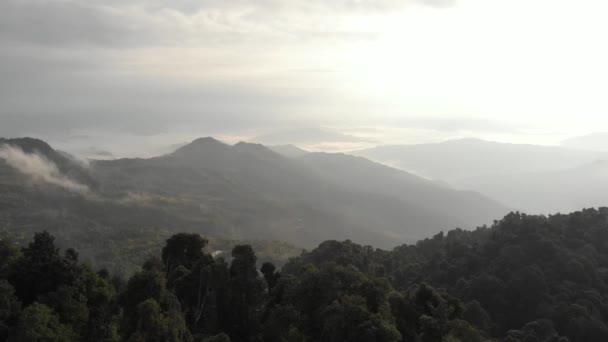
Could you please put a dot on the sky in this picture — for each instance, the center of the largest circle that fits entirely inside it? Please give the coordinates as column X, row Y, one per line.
column 127, row 76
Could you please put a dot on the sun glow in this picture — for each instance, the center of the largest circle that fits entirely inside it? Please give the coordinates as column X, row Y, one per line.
column 489, row 59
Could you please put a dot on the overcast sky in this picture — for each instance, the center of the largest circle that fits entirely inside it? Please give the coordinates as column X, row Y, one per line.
column 336, row 74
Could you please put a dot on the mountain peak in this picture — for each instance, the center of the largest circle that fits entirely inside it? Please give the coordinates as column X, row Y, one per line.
column 249, row 145
column 206, row 141
column 200, row 146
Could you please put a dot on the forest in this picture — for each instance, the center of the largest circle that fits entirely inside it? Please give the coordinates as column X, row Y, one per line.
column 525, row 278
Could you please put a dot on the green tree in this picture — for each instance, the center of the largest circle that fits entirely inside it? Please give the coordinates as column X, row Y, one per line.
column 246, row 295
column 8, row 255
column 141, row 287
column 42, row 269
column 9, row 308
column 183, row 249
column 38, row 323
column 151, row 323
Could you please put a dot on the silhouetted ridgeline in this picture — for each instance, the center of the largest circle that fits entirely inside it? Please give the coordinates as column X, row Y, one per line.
column 527, row 278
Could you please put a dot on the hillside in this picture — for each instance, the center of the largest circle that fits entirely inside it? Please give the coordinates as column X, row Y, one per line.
column 291, row 151
column 242, row 192
column 526, row 278
column 42, row 189
column 420, row 197
column 262, row 193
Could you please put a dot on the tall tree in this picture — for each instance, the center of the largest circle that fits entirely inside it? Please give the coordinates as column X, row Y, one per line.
column 246, row 295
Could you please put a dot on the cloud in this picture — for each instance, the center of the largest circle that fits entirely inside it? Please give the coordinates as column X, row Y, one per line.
column 148, row 67
column 305, row 136
column 132, row 23
column 460, row 124
column 61, row 23
column 39, row 169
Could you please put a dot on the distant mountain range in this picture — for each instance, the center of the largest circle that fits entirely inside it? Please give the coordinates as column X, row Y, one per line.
column 305, row 199
column 594, row 142
column 548, row 192
column 242, row 191
column 531, row 178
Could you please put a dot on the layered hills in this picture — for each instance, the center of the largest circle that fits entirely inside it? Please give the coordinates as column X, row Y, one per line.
column 243, row 191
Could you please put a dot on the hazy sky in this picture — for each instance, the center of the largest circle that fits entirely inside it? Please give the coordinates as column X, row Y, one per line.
column 332, row 74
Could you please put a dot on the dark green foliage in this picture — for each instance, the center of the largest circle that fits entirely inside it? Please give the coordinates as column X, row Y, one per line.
column 38, row 322
column 8, row 254
column 270, row 274
column 9, row 308
column 526, row 279
column 246, row 295
column 183, row 250
column 145, row 285
column 217, row 338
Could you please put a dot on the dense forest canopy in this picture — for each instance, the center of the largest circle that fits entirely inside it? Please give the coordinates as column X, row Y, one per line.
column 526, row 278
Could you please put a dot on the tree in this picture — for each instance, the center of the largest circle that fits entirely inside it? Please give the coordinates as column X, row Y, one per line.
column 151, row 323
column 270, row 274
column 183, row 249
column 42, row 269
column 141, row 287
column 38, row 322
column 246, row 295
column 70, row 306
column 8, row 255
column 9, row 308
column 155, row 326
column 348, row 319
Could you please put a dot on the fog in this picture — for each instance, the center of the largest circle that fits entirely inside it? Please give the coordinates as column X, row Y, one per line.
column 39, row 169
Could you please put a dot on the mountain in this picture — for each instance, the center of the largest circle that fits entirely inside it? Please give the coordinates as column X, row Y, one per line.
column 244, row 191
column 533, row 179
column 592, row 142
column 453, row 160
column 548, row 192
column 262, row 193
column 291, row 151
column 419, row 197
column 44, row 189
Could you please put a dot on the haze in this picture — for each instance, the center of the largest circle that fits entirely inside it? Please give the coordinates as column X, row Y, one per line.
column 109, row 74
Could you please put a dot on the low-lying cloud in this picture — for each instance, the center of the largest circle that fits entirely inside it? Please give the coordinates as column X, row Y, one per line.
column 39, row 169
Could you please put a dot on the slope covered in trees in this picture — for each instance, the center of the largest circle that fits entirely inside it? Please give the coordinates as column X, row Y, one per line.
column 262, row 193
column 526, row 278
column 111, row 210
